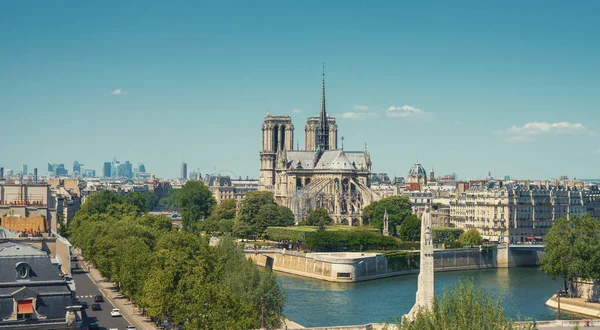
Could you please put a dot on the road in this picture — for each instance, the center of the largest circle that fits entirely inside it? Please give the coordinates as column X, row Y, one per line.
column 86, row 290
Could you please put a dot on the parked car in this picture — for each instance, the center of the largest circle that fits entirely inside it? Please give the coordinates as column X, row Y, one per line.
column 130, row 327
column 99, row 298
column 115, row 312
column 93, row 326
column 96, row 307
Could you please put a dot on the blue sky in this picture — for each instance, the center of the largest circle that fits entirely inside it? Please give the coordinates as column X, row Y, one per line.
column 510, row 87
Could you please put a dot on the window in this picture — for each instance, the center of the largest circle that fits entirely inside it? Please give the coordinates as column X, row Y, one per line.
column 346, row 275
column 22, row 271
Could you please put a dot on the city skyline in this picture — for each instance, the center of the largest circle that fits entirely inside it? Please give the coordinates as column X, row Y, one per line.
column 467, row 88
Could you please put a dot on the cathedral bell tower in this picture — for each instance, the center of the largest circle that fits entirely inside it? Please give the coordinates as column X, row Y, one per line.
column 277, row 135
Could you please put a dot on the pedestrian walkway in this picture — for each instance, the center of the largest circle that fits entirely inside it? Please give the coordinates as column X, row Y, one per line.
column 109, row 290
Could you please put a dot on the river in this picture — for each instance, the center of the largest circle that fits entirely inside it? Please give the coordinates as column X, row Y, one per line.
column 313, row 303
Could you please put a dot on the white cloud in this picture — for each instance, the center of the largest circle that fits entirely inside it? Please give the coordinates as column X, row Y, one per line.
column 357, row 115
column 296, row 111
column 458, row 122
column 118, row 91
column 408, row 111
column 529, row 131
column 359, row 107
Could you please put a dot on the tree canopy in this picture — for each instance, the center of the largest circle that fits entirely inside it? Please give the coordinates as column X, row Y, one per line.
column 470, row 237
column 318, row 217
column 572, row 249
column 410, row 229
column 463, row 307
column 258, row 210
column 176, row 273
column 195, row 203
column 398, row 208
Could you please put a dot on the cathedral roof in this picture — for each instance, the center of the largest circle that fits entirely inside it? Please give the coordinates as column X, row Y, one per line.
column 330, row 160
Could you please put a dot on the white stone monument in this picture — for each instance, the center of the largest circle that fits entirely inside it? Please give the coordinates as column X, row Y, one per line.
column 425, row 290
column 386, row 231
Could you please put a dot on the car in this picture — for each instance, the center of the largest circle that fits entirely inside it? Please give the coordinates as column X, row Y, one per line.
column 115, row 312
column 96, row 307
column 130, row 327
column 94, row 326
column 99, row 298
column 83, row 304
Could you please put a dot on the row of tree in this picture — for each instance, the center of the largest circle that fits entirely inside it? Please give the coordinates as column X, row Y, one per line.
column 175, row 273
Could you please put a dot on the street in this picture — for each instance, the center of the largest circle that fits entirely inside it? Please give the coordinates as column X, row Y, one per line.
column 86, row 290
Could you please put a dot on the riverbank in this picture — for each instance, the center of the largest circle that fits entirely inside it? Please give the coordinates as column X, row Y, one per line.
column 575, row 305
column 350, row 267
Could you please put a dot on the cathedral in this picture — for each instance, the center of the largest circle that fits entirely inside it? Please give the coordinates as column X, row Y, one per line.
column 321, row 175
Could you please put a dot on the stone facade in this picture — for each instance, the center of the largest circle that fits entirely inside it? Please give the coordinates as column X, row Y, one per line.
column 514, row 212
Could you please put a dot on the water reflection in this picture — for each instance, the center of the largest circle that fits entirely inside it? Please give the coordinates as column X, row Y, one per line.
column 317, row 303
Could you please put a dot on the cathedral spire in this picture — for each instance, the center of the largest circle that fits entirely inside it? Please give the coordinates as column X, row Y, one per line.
column 323, row 112
column 323, row 124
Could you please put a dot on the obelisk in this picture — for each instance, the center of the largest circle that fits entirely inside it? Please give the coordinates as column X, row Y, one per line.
column 425, row 290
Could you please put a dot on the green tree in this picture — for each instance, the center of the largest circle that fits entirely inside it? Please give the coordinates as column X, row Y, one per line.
column 410, row 229
column 318, row 217
column 98, row 203
column 463, row 307
column 226, row 210
column 169, row 202
column 195, row 202
column 470, row 237
column 398, row 208
column 251, row 204
column 139, row 200
column 258, row 210
column 571, row 249
column 222, row 217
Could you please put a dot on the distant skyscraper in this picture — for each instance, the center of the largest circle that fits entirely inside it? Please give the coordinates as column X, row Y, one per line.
column 183, row 170
column 9, row 172
column 25, row 170
column 142, row 168
column 77, row 168
column 61, row 170
column 106, row 169
column 128, row 169
column 1, row 172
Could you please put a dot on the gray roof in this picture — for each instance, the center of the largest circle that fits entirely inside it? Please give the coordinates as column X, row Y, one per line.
column 13, row 249
column 43, row 281
column 39, row 262
column 330, row 160
column 7, row 233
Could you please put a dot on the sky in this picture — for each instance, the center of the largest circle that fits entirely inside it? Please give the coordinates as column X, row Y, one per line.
column 510, row 87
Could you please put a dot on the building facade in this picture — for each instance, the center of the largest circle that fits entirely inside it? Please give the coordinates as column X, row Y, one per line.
column 321, row 176
column 514, row 212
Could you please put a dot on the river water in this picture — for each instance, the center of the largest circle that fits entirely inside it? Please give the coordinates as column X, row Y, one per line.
column 314, row 303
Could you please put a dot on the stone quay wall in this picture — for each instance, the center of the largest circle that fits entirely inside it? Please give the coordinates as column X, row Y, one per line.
column 356, row 266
